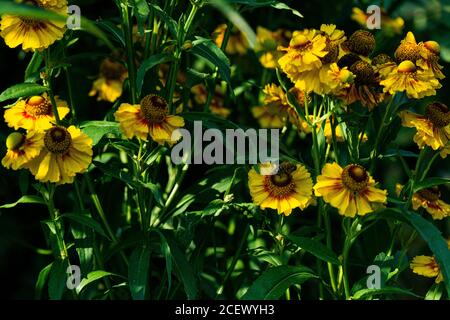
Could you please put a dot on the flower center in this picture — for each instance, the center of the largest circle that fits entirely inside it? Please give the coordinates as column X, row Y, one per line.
column 431, row 194
column 407, row 51
column 361, row 42
column 15, row 140
column 355, row 177
column 382, row 58
column 363, row 71
column 438, row 114
column 154, row 108
column 38, row 106
column 348, row 59
column 58, row 140
column 281, row 184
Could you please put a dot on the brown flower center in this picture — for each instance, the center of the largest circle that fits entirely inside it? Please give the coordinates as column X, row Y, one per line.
column 58, row 140
column 430, row 194
column 348, row 59
column 38, row 106
column 361, row 42
column 355, row 177
column 333, row 53
column 281, row 184
column 407, row 51
column 438, row 113
column 364, row 73
column 154, row 108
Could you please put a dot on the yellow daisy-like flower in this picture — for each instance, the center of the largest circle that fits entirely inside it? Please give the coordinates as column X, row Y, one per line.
column 351, row 189
column 237, row 42
column 407, row 77
column 290, row 188
column 429, row 58
column 429, row 199
column 267, row 43
column 22, row 148
column 433, row 128
column 35, row 113
column 34, row 34
column 427, row 266
column 66, row 152
column 217, row 104
column 109, row 84
column 150, row 117
column 304, row 53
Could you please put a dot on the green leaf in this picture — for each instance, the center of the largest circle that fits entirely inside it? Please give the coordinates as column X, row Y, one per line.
column 113, row 29
column 85, row 220
column 433, row 237
column 138, row 270
column 316, row 248
column 435, row 292
column 91, row 277
column 429, row 182
column 96, row 130
column 22, row 90
column 184, row 268
column 147, row 65
column 24, row 199
column 272, row 284
column 208, row 50
column 370, row 293
column 165, row 249
column 58, row 279
column 34, row 65
column 41, row 281
column 169, row 22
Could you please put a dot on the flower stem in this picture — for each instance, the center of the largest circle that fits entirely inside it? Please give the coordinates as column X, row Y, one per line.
column 128, row 32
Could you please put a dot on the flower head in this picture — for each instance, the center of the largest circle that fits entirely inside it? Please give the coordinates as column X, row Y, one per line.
column 150, row 117
column 351, row 189
column 34, row 34
column 267, row 43
column 433, row 128
column 109, row 84
column 289, row 188
column 22, row 148
column 415, row 82
column 426, row 266
column 429, row 58
column 35, row 113
column 66, row 152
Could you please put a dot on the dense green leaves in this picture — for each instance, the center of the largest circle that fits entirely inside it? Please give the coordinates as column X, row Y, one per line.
column 96, row 130
column 272, row 284
column 151, row 62
column 138, row 271
column 92, row 277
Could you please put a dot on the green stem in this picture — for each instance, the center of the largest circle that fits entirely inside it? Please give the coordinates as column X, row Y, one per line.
column 128, row 31
column 329, row 240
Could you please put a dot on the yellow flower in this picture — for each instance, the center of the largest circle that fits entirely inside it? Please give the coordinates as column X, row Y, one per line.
column 267, row 43
column 216, row 106
column 34, row 34
column 109, row 84
column 22, row 148
column 66, row 152
column 35, row 113
column 433, row 128
column 383, row 65
column 427, row 266
column 390, row 26
column 303, row 53
column 429, row 58
column 290, row 188
column 407, row 77
column 351, row 189
column 429, row 199
column 150, row 117
column 237, row 42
